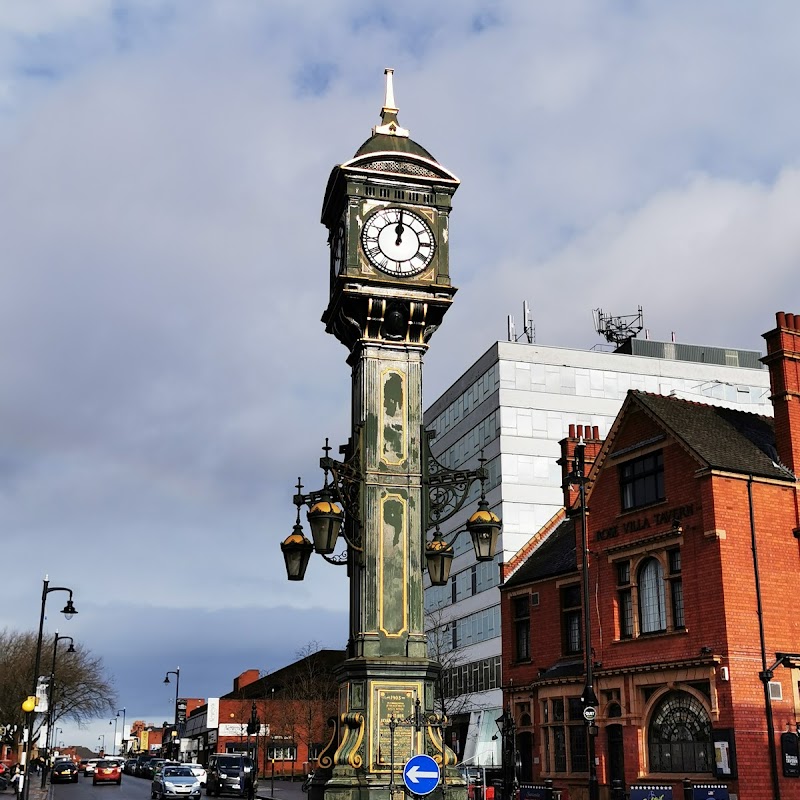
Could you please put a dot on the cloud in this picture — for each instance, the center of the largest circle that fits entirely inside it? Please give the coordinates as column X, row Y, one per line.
column 166, row 376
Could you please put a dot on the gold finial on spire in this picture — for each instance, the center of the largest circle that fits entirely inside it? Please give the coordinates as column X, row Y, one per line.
column 389, row 124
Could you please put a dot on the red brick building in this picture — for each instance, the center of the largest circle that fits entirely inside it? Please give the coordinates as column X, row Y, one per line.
column 693, row 519
column 291, row 706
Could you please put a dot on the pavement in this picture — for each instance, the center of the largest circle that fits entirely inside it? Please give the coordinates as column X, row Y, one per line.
column 277, row 789
column 35, row 792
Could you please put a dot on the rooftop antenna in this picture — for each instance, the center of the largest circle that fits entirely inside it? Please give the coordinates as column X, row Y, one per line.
column 528, row 328
column 618, row 329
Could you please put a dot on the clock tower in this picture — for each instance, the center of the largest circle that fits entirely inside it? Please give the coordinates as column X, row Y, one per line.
column 387, row 212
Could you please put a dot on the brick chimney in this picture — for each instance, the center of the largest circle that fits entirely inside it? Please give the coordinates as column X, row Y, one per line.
column 247, row 677
column 591, row 438
column 783, row 360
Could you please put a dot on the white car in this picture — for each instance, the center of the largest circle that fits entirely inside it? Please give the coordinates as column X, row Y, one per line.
column 91, row 766
column 198, row 770
column 175, row 780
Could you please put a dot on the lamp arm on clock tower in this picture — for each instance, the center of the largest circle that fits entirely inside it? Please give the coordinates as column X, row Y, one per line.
column 448, row 489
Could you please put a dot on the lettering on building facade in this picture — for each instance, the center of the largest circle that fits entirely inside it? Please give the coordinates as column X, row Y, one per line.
column 656, row 519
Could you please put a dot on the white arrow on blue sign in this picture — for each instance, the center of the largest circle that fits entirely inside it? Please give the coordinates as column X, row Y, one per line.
column 421, row 774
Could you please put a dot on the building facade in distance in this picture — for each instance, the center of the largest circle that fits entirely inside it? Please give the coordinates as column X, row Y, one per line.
column 286, row 712
column 692, row 527
column 514, row 405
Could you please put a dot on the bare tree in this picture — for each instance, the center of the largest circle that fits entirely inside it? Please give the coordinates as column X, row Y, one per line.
column 312, row 692
column 82, row 691
column 448, row 700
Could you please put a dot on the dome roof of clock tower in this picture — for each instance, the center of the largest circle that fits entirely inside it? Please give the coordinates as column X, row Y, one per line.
column 385, row 142
column 389, row 136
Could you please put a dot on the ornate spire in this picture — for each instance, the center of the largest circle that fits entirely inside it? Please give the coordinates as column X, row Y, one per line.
column 389, row 122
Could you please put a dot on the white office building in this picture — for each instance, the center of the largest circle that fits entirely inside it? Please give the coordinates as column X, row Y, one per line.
column 515, row 403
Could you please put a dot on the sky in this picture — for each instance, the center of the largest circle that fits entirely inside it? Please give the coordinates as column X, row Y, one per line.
column 166, row 376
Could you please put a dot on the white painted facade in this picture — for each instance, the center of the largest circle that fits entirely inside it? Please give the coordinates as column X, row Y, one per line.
column 516, row 402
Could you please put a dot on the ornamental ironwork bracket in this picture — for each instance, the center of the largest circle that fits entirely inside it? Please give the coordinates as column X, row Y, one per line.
column 347, row 476
column 344, row 488
column 447, row 490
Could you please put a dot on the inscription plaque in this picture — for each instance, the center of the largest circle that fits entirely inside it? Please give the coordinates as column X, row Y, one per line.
column 397, row 702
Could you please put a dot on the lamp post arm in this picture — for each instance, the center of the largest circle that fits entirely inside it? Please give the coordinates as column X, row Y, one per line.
column 60, row 589
column 446, row 490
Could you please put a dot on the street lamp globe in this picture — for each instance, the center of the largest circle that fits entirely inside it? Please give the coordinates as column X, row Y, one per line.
column 297, row 551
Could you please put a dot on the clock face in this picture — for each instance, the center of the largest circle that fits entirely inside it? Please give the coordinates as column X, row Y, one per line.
column 398, row 241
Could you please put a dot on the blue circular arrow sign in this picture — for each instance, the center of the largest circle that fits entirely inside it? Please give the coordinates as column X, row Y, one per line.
column 421, row 774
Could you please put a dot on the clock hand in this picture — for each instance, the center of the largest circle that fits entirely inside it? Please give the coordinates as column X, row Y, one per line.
column 399, row 230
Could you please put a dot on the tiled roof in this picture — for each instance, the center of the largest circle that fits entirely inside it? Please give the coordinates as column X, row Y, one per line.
column 724, row 438
column 555, row 556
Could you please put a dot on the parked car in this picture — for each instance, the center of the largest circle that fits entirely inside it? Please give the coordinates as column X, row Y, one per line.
column 231, row 773
column 199, row 772
column 174, row 780
column 129, row 767
column 107, row 772
column 152, row 766
column 90, row 766
column 159, row 765
column 65, row 770
column 142, row 761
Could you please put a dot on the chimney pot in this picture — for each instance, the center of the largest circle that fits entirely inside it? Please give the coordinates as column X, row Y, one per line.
column 783, row 353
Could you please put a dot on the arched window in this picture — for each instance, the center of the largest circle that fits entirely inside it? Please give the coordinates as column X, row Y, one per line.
column 679, row 737
column 652, row 613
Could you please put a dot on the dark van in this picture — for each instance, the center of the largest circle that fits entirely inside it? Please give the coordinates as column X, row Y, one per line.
column 231, row 773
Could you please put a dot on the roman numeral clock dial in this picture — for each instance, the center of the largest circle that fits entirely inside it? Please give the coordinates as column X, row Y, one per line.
column 397, row 241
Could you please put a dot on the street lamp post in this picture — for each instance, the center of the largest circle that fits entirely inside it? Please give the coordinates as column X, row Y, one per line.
column 114, row 743
column 68, row 611
column 102, row 737
column 508, row 739
column 51, row 716
column 253, row 727
column 588, row 697
column 123, row 730
column 177, row 673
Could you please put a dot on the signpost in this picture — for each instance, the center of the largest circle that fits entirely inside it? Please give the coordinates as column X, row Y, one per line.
column 421, row 775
